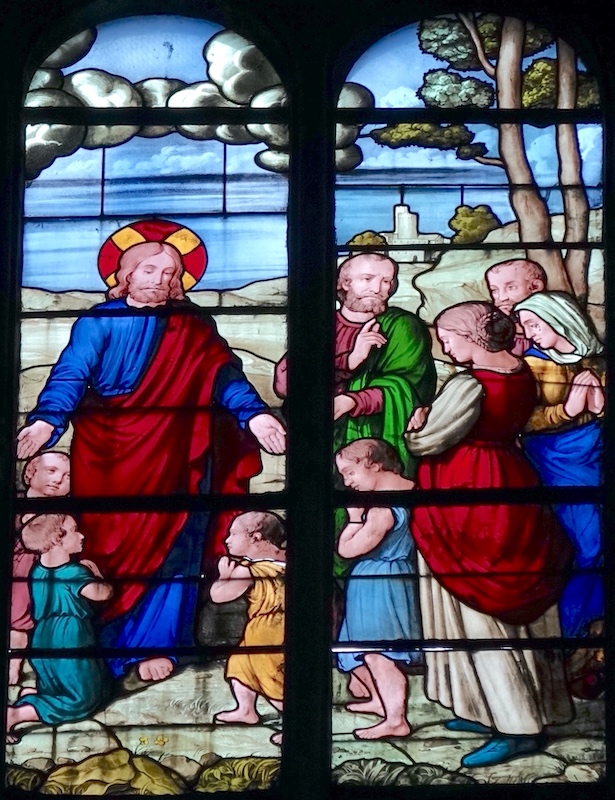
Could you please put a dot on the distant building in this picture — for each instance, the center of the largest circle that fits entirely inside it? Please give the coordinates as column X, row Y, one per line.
column 406, row 231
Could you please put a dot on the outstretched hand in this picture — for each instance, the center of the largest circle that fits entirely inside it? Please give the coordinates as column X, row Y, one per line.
column 418, row 419
column 269, row 432
column 31, row 438
column 343, row 404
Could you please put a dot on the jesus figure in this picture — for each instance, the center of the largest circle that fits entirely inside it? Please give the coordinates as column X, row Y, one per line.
column 160, row 406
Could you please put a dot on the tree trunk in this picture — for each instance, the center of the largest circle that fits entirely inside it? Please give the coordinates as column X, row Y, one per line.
column 530, row 209
column 576, row 204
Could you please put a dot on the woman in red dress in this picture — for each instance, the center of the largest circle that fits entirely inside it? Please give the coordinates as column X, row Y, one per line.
column 490, row 571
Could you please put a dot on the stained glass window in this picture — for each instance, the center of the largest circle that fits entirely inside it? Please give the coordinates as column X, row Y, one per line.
column 469, row 346
column 227, row 314
column 153, row 309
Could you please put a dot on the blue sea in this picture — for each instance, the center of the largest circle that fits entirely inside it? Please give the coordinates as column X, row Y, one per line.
column 244, row 228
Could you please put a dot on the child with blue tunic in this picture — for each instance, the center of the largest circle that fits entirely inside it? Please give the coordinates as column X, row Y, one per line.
column 381, row 591
column 67, row 689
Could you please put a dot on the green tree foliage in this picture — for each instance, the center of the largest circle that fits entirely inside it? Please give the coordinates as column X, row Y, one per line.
column 448, row 39
column 468, row 152
column 540, row 86
column 423, row 134
column 444, row 89
column 472, row 224
column 366, row 238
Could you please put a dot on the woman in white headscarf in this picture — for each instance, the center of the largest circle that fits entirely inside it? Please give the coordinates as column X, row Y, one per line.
column 563, row 437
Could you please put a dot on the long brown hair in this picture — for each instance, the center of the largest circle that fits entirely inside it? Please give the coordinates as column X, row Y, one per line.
column 135, row 255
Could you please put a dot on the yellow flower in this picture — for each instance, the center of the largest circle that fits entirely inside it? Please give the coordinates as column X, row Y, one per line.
column 143, row 739
column 160, row 740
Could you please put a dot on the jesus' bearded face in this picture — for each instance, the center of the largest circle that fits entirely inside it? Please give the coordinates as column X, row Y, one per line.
column 150, row 281
column 368, row 285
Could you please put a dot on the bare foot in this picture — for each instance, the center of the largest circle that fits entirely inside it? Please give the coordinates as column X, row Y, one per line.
column 276, row 738
column 237, row 715
column 383, row 730
column 155, row 669
column 356, row 687
column 368, row 707
column 28, row 690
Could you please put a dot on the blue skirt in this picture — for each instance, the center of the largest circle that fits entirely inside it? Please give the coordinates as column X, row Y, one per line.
column 574, row 458
column 381, row 604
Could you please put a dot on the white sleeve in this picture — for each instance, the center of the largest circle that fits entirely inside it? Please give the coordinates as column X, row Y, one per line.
column 453, row 413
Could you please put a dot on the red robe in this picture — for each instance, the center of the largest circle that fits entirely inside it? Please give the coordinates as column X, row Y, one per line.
column 157, row 441
column 507, row 561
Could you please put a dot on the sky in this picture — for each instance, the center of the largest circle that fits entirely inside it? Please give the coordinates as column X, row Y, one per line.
column 393, row 68
column 157, row 47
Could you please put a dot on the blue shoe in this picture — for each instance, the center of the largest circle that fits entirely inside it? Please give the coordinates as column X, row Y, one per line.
column 468, row 727
column 504, row 748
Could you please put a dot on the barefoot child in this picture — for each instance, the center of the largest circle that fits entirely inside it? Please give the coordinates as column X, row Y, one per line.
column 255, row 566
column 68, row 689
column 381, row 603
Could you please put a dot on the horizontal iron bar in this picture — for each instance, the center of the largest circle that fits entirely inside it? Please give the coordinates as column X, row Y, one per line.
column 491, row 116
column 452, row 246
column 153, row 116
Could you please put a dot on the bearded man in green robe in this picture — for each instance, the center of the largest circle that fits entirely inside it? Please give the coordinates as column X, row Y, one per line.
column 384, row 370
column 383, row 365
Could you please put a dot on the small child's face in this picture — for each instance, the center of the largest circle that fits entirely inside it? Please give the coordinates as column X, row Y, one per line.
column 357, row 475
column 238, row 540
column 72, row 541
column 51, row 477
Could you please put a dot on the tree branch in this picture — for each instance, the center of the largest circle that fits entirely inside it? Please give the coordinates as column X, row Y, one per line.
column 478, row 44
column 491, row 162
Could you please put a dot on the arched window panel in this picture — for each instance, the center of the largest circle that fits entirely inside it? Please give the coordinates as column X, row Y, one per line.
column 153, row 309
column 469, row 347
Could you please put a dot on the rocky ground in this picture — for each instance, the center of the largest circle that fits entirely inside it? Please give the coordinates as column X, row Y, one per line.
column 160, row 739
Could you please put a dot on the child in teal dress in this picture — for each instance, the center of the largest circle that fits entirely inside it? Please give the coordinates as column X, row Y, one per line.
column 67, row 689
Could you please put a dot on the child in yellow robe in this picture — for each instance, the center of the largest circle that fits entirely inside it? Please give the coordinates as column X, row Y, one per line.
column 255, row 567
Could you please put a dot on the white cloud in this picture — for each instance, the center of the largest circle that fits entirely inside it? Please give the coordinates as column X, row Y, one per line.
column 590, row 142
column 414, row 157
column 170, row 160
column 401, row 97
column 81, row 165
column 542, row 156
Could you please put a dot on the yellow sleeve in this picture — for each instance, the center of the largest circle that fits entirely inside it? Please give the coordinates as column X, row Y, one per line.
column 552, row 389
column 545, row 416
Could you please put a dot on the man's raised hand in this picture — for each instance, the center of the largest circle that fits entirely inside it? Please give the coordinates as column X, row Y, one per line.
column 269, row 432
column 369, row 336
column 31, row 438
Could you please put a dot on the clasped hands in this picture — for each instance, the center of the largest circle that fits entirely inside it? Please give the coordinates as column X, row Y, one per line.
column 585, row 393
